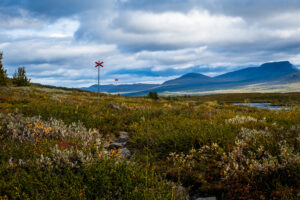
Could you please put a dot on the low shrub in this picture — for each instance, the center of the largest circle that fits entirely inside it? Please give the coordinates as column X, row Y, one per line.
column 52, row 160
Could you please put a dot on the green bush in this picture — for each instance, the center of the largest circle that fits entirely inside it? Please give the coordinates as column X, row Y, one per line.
column 52, row 160
column 152, row 95
column 20, row 78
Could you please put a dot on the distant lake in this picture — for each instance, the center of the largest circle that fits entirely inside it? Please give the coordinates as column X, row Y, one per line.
column 262, row 105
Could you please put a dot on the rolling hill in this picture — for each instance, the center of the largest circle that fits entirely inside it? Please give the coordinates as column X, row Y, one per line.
column 124, row 88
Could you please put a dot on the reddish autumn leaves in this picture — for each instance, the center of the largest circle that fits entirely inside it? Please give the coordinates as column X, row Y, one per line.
column 63, row 144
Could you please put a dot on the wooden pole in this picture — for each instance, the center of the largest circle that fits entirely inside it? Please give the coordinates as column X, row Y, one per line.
column 98, row 84
column 117, row 86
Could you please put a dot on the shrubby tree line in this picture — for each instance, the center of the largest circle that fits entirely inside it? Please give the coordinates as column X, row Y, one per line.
column 19, row 77
column 153, row 95
column 3, row 75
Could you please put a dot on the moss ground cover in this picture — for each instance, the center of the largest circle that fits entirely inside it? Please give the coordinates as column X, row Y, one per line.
column 52, row 146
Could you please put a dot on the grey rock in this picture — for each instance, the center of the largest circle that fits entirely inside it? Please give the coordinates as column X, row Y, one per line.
column 206, row 198
column 113, row 106
column 123, row 133
column 125, row 153
column 116, row 145
column 123, row 138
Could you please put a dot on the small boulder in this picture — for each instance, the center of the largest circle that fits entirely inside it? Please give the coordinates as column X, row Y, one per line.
column 125, row 153
column 206, row 198
column 115, row 145
column 123, row 138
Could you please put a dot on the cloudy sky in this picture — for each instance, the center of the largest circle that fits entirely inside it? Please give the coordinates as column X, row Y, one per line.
column 147, row 41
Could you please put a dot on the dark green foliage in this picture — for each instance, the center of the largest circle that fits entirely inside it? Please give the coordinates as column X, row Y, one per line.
column 152, row 95
column 102, row 180
column 20, row 78
column 77, row 166
column 280, row 99
column 57, row 87
column 3, row 75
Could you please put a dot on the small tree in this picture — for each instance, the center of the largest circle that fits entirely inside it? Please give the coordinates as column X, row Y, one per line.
column 3, row 75
column 153, row 95
column 20, row 78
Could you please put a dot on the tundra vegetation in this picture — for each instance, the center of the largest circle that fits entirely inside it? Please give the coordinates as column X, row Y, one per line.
column 52, row 146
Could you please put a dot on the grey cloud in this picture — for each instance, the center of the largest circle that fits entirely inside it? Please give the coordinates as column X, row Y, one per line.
column 57, row 8
column 142, row 39
column 131, row 32
column 245, row 8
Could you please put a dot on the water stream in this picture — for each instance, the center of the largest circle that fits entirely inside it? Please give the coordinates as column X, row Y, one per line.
column 262, row 105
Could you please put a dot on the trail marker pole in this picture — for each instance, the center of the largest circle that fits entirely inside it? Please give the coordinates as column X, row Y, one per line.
column 116, row 80
column 98, row 84
column 99, row 64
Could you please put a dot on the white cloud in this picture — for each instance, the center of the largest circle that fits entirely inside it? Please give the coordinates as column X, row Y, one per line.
column 42, row 50
column 174, row 28
column 62, row 28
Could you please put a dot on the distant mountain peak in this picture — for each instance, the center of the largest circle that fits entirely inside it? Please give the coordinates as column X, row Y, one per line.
column 280, row 64
column 188, row 79
column 266, row 72
column 193, row 75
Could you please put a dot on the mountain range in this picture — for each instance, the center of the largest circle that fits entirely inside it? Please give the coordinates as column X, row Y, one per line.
column 268, row 74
